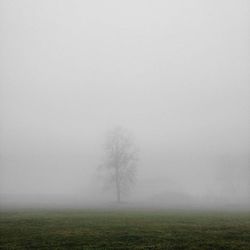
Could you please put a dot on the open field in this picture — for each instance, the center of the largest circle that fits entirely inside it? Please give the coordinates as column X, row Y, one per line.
column 96, row 229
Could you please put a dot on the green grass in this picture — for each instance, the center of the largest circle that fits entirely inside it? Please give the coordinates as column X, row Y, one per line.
column 93, row 229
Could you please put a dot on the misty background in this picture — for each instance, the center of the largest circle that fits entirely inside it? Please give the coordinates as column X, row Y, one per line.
column 174, row 73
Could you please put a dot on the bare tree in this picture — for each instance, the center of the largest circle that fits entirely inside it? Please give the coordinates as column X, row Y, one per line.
column 120, row 161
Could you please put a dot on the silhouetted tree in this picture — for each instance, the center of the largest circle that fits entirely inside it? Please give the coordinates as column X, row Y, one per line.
column 120, row 160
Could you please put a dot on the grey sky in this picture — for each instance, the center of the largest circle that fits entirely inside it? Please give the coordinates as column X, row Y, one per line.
column 175, row 73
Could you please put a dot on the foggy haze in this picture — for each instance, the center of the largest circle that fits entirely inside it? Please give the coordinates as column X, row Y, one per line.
column 174, row 73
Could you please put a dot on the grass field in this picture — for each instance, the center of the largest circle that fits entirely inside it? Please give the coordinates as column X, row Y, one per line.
column 95, row 229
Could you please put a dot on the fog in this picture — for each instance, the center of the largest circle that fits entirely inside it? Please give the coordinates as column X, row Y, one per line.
column 174, row 73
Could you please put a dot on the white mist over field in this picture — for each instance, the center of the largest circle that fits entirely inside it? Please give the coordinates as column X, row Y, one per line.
column 174, row 73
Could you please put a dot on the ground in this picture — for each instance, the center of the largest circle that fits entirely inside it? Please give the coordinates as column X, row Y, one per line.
column 116, row 229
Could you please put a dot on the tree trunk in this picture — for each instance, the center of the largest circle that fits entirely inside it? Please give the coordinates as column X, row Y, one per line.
column 117, row 182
